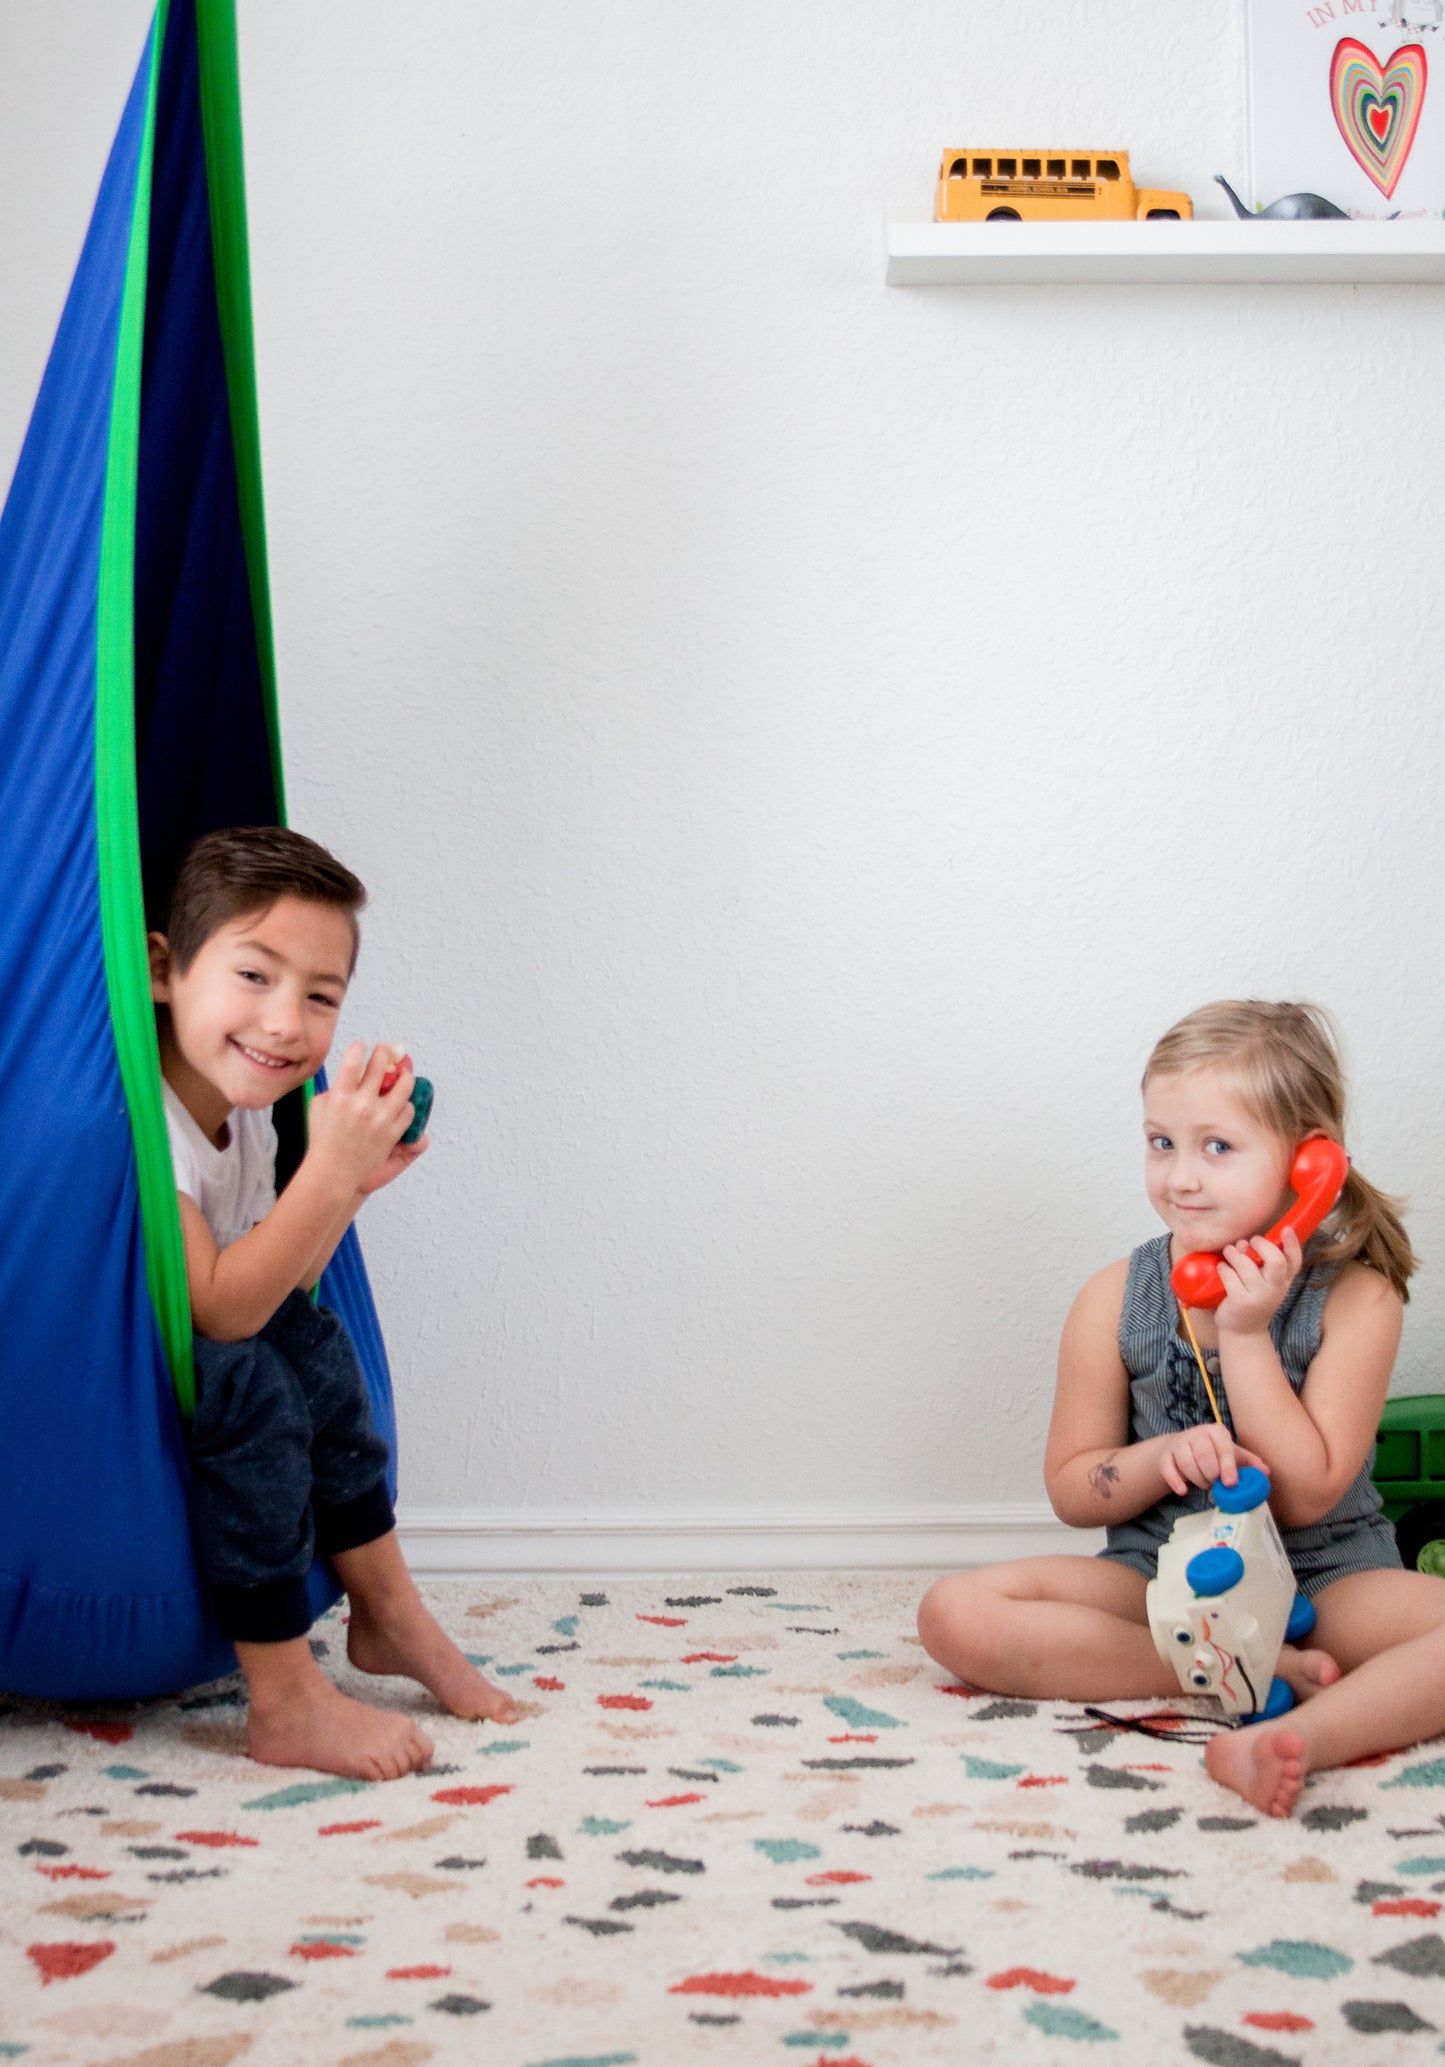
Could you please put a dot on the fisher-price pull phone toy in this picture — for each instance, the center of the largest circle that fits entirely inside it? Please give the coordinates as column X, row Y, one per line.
column 1224, row 1599
column 421, row 1099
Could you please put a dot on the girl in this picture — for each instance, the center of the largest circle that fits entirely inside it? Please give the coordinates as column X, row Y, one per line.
column 1299, row 1357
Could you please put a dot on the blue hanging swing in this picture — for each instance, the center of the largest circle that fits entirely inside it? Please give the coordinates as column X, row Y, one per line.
column 137, row 711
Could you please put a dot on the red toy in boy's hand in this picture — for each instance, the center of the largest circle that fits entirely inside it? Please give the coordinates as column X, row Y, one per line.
column 1317, row 1176
column 421, row 1098
column 393, row 1073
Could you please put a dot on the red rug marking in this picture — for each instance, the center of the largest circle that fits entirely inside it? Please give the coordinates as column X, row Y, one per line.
column 417, row 1973
column 216, row 1838
column 745, row 1983
column 551, row 1686
column 322, row 1950
column 1278, row 2020
column 73, row 1872
column 838, row 1879
column 468, row 1797
column 1148, row 1769
column 63, row 1962
column 636, row 1701
column 675, row 1801
column 105, row 1732
column 348, row 1829
column 854, row 1738
column 711, row 1658
column 544, row 1881
column 1030, row 1977
column 964, row 1693
column 1044, row 1780
column 666, row 1621
column 1407, row 1905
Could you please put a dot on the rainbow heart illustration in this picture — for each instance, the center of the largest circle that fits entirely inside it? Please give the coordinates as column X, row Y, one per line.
column 1377, row 107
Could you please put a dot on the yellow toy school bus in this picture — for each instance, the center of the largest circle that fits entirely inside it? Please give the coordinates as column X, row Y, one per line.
column 1049, row 186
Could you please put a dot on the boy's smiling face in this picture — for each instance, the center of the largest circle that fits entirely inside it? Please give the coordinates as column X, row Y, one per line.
column 1214, row 1174
column 254, row 1015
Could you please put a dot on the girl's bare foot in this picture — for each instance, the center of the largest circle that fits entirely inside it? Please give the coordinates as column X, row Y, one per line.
column 1265, row 1765
column 298, row 1718
column 393, row 1631
column 1306, row 1671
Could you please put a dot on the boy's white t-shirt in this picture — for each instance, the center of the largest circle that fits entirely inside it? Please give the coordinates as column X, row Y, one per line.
column 234, row 1186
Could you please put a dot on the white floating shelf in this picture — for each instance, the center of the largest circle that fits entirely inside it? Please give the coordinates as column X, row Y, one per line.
column 923, row 253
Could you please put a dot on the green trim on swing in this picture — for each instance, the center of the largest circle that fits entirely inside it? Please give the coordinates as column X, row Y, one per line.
column 117, row 816
column 220, row 93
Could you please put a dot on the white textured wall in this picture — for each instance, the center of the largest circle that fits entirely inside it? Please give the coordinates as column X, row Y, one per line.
column 805, row 739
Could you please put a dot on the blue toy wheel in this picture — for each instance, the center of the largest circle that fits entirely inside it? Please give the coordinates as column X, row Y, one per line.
column 1250, row 1489
column 1278, row 1701
column 1214, row 1570
column 1301, row 1619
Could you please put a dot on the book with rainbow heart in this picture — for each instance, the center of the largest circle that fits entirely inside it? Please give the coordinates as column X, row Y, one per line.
column 1342, row 103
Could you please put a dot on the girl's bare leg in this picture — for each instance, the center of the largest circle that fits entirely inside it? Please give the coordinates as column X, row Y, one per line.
column 1073, row 1628
column 1387, row 1629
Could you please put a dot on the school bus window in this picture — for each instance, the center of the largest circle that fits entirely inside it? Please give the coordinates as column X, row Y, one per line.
column 983, row 168
column 1031, row 168
column 1081, row 168
column 958, row 169
column 1056, row 168
column 1107, row 169
column 1008, row 168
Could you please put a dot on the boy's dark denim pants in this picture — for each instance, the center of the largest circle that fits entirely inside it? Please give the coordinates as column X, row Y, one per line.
column 285, row 1462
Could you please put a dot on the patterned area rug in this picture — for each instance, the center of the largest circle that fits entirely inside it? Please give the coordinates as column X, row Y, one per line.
column 738, row 1822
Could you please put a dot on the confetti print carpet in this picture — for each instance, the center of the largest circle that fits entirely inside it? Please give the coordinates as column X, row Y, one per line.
column 738, row 1822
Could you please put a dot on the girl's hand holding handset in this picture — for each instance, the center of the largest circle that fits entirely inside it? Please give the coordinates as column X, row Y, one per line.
column 1256, row 1276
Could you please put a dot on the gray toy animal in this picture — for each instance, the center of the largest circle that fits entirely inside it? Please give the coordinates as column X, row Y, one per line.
column 1290, row 208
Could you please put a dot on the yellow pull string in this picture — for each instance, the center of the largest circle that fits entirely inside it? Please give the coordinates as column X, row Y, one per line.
column 1199, row 1359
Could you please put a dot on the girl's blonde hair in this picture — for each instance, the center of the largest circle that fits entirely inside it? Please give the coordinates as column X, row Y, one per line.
column 1282, row 1063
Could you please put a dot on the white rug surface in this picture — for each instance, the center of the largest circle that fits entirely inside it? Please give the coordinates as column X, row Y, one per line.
column 741, row 1820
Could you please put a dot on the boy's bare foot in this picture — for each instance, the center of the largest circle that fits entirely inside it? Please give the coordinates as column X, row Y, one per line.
column 1265, row 1765
column 393, row 1631
column 1306, row 1671
column 406, row 1638
column 298, row 1718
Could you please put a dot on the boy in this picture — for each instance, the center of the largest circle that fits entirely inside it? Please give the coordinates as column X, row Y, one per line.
column 248, row 979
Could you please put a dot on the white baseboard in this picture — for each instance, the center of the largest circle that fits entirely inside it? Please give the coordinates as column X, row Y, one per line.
column 441, row 1542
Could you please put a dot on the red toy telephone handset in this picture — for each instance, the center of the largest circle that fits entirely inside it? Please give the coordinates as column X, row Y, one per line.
column 1317, row 1176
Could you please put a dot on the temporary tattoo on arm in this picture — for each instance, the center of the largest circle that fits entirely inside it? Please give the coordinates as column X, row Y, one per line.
column 1105, row 1476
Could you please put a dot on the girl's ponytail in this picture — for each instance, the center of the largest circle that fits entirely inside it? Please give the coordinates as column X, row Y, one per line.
column 1366, row 1227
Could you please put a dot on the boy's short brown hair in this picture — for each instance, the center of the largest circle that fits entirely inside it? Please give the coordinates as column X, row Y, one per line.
column 246, row 868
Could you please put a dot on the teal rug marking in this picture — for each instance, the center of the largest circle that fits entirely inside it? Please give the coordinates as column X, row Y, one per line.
column 1429, row 1864
column 1431, row 1774
column 307, row 1791
column 1058, row 2021
column 988, row 1769
column 504, row 1744
column 667, row 1686
column 858, row 1716
column 968, row 1873
column 785, row 1851
column 739, row 1672
column 126, row 1773
column 1300, row 1957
